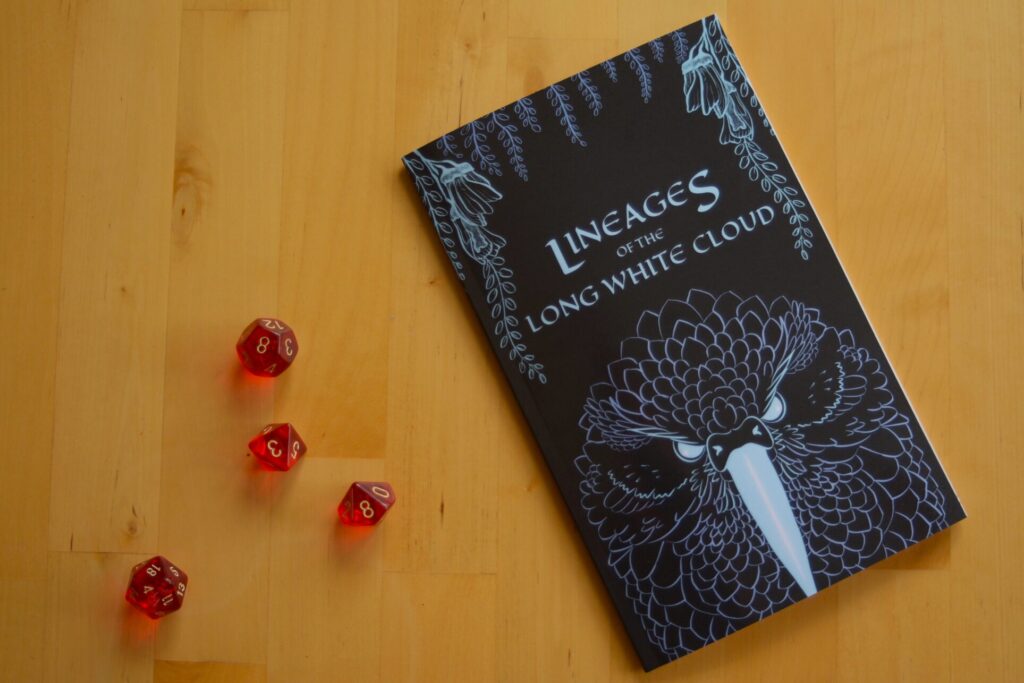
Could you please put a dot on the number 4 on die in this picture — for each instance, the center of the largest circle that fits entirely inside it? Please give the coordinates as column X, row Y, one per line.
column 366, row 503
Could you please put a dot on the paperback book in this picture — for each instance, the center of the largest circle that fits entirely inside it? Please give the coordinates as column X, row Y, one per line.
column 714, row 405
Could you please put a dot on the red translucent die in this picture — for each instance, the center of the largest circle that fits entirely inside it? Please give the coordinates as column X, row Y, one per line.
column 267, row 347
column 278, row 445
column 157, row 587
column 366, row 503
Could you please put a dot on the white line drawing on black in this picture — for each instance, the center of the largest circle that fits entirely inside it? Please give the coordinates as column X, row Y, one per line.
column 741, row 455
column 715, row 84
column 459, row 199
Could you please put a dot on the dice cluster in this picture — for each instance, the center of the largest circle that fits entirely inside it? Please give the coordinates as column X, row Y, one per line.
column 267, row 347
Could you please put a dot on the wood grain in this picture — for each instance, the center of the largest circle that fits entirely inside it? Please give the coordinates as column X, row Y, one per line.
column 985, row 219
column 225, row 230
column 325, row 610
column 435, row 350
column 110, row 345
column 339, row 169
column 36, row 47
column 172, row 169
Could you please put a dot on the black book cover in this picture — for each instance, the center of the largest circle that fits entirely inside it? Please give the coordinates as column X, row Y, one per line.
column 707, row 391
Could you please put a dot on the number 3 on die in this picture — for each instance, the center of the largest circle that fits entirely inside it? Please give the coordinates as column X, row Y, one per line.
column 267, row 347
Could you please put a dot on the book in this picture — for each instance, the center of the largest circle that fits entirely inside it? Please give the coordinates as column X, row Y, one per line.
column 714, row 405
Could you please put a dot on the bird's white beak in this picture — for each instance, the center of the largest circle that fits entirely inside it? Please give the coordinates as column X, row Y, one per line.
column 761, row 490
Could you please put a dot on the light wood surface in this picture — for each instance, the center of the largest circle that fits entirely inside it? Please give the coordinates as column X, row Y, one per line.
column 171, row 170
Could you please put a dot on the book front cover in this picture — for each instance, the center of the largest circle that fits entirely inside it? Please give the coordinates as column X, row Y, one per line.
column 707, row 391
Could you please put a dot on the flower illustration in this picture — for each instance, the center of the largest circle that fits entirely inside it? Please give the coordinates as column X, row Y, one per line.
column 706, row 88
column 459, row 199
column 737, row 126
column 472, row 199
column 715, row 84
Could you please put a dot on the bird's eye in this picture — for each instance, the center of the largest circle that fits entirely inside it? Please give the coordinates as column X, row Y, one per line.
column 776, row 409
column 688, row 452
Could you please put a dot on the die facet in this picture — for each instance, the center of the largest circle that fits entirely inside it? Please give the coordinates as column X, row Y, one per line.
column 267, row 347
column 366, row 502
column 157, row 587
column 278, row 445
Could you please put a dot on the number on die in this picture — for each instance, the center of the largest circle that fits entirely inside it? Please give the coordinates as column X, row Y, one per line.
column 267, row 347
column 366, row 502
column 157, row 587
column 278, row 445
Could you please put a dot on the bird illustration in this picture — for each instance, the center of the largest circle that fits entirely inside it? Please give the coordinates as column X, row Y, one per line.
column 741, row 455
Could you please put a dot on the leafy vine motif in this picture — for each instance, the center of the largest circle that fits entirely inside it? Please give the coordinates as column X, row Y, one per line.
column 459, row 199
column 680, row 46
column 639, row 66
column 709, row 74
column 610, row 70
column 766, row 172
column 657, row 50
column 737, row 76
column 448, row 146
column 527, row 114
column 507, row 129
column 499, row 122
column 591, row 95
column 475, row 141
column 562, row 106
column 430, row 192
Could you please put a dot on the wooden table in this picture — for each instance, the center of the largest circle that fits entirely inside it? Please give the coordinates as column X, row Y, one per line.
column 170, row 170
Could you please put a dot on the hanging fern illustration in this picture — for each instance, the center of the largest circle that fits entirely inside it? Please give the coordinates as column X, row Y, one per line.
column 498, row 283
column 500, row 123
column 459, row 197
column 714, row 86
column 760, row 169
column 737, row 75
column 610, row 70
column 474, row 139
column 460, row 200
column 639, row 66
column 657, row 50
column 527, row 114
column 680, row 45
column 448, row 147
column 559, row 100
column 590, row 93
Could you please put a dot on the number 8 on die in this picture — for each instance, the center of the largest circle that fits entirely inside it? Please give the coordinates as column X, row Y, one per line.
column 267, row 347
column 366, row 502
